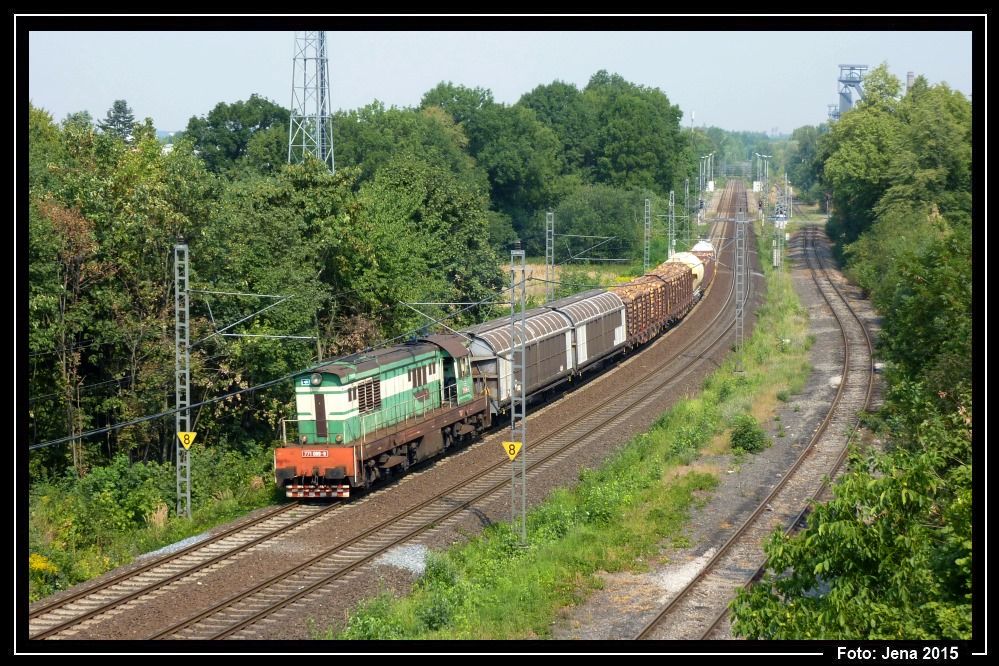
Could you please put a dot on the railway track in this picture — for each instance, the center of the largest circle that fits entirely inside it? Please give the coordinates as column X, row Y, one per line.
column 322, row 575
column 51, row 619
column 699, row 609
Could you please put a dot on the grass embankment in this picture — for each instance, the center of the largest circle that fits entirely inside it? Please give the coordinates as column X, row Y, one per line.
column 79, row 528
column 615, row 519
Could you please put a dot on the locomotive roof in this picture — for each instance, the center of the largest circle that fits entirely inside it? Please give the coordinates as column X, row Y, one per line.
column 452, row 344
column 363, row 362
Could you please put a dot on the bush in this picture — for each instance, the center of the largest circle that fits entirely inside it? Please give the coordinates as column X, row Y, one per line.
column 374, row 621
column 747, row 435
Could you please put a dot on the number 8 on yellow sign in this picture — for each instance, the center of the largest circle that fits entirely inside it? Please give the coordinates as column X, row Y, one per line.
column 511, row 449
column 186, row 438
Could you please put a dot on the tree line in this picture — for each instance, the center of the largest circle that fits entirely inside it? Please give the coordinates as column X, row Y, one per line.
column 423, row 203
column 890, row 557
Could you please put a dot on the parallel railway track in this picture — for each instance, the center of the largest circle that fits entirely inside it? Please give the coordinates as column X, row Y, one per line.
column 52, row 618
column 701, row 606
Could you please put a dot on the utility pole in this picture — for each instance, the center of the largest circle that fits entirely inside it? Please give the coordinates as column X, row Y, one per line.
column 787, row 186
column 740, row 284
column 310, row 131
column 686, row 209
column 518, row 388
column 549, row 257
column 648, row 236
column 671, row 250
column 182, row 376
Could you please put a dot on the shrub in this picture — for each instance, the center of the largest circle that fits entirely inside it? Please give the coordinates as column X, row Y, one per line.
column 374, row 621
column 747, row 435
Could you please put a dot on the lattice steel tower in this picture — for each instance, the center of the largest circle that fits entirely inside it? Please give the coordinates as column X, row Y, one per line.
column 740, row 284
column 182, row 374
column 549, row 257
column 311, row 128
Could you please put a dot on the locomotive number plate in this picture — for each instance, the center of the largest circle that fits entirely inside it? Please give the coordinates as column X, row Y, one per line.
column 309, row 453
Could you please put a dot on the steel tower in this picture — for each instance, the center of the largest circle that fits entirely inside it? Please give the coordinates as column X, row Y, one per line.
column 311, row 128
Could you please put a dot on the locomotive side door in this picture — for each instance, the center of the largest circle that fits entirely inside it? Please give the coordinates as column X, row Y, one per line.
column 321, row 430
column 449, row 386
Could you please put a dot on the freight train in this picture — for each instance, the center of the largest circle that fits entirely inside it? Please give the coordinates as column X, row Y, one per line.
column 372, row 415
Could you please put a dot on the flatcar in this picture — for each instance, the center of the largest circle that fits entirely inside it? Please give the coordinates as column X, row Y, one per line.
column 372, row 415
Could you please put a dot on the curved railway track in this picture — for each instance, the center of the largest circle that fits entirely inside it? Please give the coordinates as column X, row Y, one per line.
column 698, row 610
column 320, row 576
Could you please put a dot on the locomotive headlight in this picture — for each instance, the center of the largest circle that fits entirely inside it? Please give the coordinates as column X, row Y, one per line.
column 316, row 379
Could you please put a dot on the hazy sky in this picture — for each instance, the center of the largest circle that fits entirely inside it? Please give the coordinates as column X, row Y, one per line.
column 734, row 80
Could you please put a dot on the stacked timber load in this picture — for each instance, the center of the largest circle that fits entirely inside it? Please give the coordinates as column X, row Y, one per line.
column 678, row 279
column 644, row 307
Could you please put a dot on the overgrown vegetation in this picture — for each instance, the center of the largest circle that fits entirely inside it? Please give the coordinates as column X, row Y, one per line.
column 615, row 519
column 890, row 556
column 80, row 528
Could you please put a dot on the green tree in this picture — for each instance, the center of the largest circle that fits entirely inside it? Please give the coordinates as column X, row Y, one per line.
column 223, row 137
column 109, row 216
column 119, row 122
column 44, row 147
column 80, row 119
column 432, row 240
column 563, row 108
column 371, row 136
column 459, row 102
column 520, row 156
column 267, row 150
column 803, row 165
column 638, row 142
column 857, row 168
column 600, row 210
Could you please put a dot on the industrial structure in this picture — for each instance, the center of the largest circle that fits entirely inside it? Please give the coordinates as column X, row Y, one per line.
column 310, row 131
column 850, row 79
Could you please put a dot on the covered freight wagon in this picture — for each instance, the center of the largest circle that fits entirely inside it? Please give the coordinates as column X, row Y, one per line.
column 548, row 350
column 704, row 251
column 598, row 323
